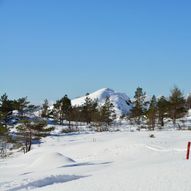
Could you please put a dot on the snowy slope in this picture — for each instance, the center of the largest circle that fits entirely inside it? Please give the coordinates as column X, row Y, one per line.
column 117, row 161
column 120, row 101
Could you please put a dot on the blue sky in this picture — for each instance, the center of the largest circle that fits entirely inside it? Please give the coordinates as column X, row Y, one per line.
column 49, row 48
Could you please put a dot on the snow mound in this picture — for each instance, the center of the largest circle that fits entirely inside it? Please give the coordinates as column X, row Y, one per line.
column 120, row 101
column 52, row 159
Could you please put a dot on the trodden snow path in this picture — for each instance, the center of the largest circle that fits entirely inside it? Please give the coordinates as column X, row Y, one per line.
column 117, row 161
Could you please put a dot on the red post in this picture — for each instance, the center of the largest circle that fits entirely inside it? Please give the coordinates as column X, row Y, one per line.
column 188, row 151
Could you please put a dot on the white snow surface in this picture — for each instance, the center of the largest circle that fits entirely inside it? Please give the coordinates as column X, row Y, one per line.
column 110, row 161
column 119, row 100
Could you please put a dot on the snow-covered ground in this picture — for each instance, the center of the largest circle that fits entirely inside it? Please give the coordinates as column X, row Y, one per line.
column 110, row 161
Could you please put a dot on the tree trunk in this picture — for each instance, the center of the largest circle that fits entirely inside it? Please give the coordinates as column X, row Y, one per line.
column 174, row 121
column 30, row 141
column 69, row 125
column 162, row 122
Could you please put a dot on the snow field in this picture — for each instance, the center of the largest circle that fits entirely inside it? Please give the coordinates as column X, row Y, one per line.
column 102, row 161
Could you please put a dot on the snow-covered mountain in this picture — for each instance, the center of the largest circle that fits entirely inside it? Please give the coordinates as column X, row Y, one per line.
column 120, row 101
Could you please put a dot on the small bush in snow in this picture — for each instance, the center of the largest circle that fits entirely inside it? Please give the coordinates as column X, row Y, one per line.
column 69, row 130
column 152, row 136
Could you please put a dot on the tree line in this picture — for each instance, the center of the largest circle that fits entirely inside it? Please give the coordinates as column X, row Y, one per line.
column 19, row 113
column 90, row 112
column 153, row 111
column 29, row 128
column 156, row 110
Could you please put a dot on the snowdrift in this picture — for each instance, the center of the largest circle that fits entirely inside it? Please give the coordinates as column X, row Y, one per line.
column 51, row 160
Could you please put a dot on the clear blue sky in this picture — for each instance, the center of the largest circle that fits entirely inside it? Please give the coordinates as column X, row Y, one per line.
column 49, row 48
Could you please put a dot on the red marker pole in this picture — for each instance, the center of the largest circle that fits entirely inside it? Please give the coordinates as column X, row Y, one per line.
column 188, row 151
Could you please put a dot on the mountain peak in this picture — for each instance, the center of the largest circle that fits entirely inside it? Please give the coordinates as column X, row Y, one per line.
column 106, row 89
column 121, row 101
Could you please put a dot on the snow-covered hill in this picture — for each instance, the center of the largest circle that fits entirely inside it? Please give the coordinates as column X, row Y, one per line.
column 120, row 101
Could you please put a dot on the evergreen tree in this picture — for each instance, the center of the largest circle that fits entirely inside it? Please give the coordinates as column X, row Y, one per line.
column 30, row 130
column 177, row 102
column 67, row 109
column 57, row 112
column 89, row 109
column 152, row 112
column 21, row 104
column 107, row 112
column 62, row 110
column 4, row 136
column 45, row 111
column 162, row 106
column 139, row 105
column 75, row 114
column 3, row 125
column 6, row 108
column 188, row 102
column 6, row 105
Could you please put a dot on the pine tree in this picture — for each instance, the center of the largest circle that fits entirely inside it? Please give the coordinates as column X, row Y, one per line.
column 30, row 130
column 151, row 113
column 45, row 111
column 3, row 125
column 139, row 104
column 67, row 109
column 188, row 102
column 6, row 105
column 162, row 106
column 21, row 104
column 4, row 136
column 62, row 110
column 6, row 108
column 89, row 109
column 57, row 112
column 75, row 115
column 107, row 112
column 177, row 102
